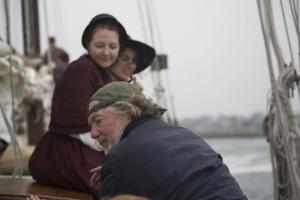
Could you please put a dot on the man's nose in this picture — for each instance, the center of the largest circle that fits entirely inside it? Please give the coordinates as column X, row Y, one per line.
column 94, row 132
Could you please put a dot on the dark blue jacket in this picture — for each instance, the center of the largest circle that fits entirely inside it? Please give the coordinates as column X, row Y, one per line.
column 160, row 161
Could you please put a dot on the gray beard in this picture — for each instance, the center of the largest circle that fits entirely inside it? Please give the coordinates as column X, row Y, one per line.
column 110, row 146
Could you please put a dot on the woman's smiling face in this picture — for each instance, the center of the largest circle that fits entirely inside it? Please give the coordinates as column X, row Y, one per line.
column 126, row 65
column 104, row 46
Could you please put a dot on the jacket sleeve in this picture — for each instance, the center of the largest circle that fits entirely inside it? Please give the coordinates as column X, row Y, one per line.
column 115, row 175
column 109, row 183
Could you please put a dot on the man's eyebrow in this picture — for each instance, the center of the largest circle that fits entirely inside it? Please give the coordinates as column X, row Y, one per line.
column 91, row 118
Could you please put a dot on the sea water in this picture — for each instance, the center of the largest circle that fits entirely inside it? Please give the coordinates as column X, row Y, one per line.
column 249, row 161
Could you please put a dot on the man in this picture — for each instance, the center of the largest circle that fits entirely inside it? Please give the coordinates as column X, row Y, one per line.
column 53, row 52
column 148, row 157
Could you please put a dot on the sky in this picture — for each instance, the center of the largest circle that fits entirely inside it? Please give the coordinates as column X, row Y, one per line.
column 216, row 55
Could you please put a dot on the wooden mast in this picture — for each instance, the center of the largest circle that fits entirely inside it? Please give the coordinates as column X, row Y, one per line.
column 31, row 33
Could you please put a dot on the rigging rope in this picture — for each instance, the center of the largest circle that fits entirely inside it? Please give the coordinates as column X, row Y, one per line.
column 294, row 12
column 287, row 31
column 150, row 23
column 144, row 28
column 280, row 126
column 18, row 168
column 155, row 41
column 155, row 22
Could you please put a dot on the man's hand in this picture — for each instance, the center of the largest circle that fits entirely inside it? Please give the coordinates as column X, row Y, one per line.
column 95, row 179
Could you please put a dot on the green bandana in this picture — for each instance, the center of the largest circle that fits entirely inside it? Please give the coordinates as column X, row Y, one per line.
column 112, row 93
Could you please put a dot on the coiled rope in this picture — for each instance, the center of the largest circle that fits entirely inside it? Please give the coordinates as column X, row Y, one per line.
column 280, row 126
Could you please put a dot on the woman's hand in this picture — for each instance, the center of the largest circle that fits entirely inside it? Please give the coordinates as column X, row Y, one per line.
column 136, row 83
column 95, row 179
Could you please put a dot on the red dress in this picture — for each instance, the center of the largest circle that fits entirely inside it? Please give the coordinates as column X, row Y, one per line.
column 59, row 159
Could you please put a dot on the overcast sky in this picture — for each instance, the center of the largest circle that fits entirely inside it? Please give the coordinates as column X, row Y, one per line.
column 215, row 48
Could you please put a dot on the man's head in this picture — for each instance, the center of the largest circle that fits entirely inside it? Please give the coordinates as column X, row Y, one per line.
column 113, row 107
column 51, row 41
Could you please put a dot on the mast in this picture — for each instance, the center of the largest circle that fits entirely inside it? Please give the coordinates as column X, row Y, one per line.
column 31, row 32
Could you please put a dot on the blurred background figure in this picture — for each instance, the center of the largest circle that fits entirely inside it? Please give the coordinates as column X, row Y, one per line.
column 53, row 52
column 61, row 66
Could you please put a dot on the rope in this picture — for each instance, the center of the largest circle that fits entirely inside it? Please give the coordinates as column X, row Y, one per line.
column 154, row 35
column 273, row 35
column 12, row 92
column 150, row 23
column 280, row 125
column 287, row 31
column 18, row 169
column 155, row 22
column 58, row 21
column 142, row 21
column 294, row 17
column 171, row 100
column 16, row 148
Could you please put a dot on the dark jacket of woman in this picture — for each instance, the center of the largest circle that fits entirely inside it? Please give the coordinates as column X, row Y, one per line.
column 160, row 161
column 59, row 159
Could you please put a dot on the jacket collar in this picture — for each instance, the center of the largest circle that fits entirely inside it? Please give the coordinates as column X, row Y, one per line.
column 134, row 124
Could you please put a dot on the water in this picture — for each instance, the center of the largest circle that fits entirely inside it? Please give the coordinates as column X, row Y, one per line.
column 249, row 162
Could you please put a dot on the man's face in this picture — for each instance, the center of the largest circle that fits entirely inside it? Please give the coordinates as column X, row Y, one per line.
column 106, row 127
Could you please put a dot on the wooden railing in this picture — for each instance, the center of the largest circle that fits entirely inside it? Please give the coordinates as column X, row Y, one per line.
column 20, row 188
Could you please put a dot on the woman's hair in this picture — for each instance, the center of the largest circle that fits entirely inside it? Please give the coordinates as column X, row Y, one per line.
column 136, row 107
column 107, row 24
